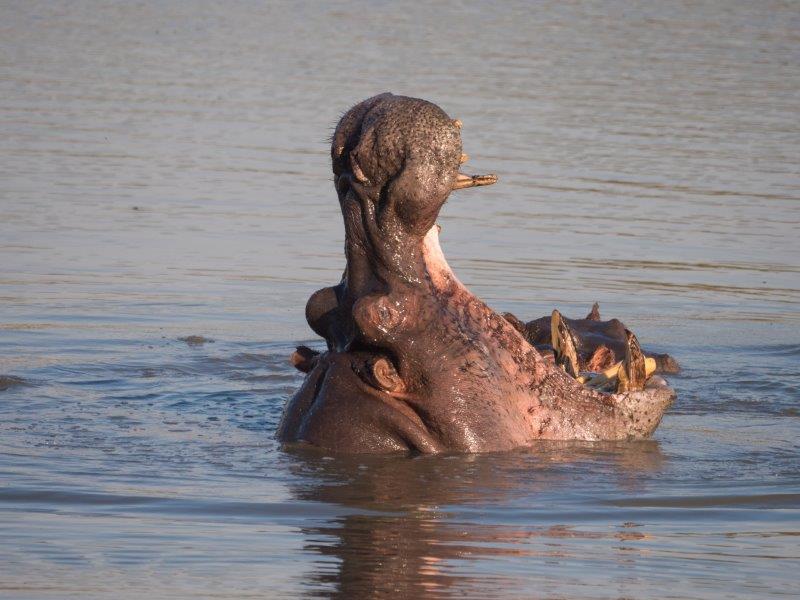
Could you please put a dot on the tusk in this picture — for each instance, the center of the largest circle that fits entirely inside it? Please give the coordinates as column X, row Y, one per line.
column 468, row 181
column 632, row 376
column 563, row 342
column 464, row 158
column 457, row 123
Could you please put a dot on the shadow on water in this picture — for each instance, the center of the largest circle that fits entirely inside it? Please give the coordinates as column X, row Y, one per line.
column 412, row 525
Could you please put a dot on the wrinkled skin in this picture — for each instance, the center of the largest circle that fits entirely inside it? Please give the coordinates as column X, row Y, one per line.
column 416, row 362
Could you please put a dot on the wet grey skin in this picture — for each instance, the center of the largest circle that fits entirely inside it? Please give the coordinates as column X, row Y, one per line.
column 414, row 361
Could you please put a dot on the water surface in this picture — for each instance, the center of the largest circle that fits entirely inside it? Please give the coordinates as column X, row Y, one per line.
column 164, row 174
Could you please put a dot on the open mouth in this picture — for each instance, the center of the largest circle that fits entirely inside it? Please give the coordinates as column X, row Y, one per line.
column 414, row 359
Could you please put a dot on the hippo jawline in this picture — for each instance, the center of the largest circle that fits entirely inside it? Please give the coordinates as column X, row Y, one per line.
column 483, row 390
column 415, row 361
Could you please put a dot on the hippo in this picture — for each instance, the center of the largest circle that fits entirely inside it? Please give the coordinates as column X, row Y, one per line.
column 415, row 362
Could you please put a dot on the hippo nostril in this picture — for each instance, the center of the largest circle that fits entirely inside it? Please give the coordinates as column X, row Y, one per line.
column 358, row 173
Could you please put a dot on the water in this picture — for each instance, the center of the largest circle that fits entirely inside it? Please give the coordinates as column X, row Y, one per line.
column 164, row 174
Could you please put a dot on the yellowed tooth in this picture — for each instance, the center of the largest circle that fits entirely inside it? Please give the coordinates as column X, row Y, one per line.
column 555, row 341
column 457, row 123
column 632, row 376
column 563, row 343
column 603, row 377
column 467, row 181
column 464, row 158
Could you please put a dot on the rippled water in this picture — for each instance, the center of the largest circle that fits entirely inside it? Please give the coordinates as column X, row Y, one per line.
column 164, row 174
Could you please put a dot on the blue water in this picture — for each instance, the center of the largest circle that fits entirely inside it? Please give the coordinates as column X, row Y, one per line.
column 164, row 174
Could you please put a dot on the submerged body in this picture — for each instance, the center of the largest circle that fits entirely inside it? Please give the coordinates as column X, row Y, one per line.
column 415, row 361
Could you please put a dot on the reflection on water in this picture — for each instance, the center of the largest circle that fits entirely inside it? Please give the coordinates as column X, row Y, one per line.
column 166, row 209
column 416, row 519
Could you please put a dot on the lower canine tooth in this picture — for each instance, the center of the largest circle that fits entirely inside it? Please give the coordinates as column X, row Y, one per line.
column 563, row 343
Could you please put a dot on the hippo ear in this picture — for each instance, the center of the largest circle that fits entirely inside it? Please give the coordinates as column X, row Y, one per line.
column 594, row 314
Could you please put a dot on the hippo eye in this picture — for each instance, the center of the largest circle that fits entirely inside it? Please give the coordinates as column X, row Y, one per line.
column 342, row 184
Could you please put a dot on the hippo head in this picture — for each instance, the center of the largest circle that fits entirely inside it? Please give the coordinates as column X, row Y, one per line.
column 395, row 161
column 399, row 158
column 415, row 361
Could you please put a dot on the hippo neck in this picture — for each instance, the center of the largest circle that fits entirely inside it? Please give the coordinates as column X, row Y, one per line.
column 500, row 340
column 415, row 261
column 418, row 262
column 446, row 286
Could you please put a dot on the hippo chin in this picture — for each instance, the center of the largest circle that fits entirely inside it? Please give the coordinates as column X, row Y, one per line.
column 415, row 361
